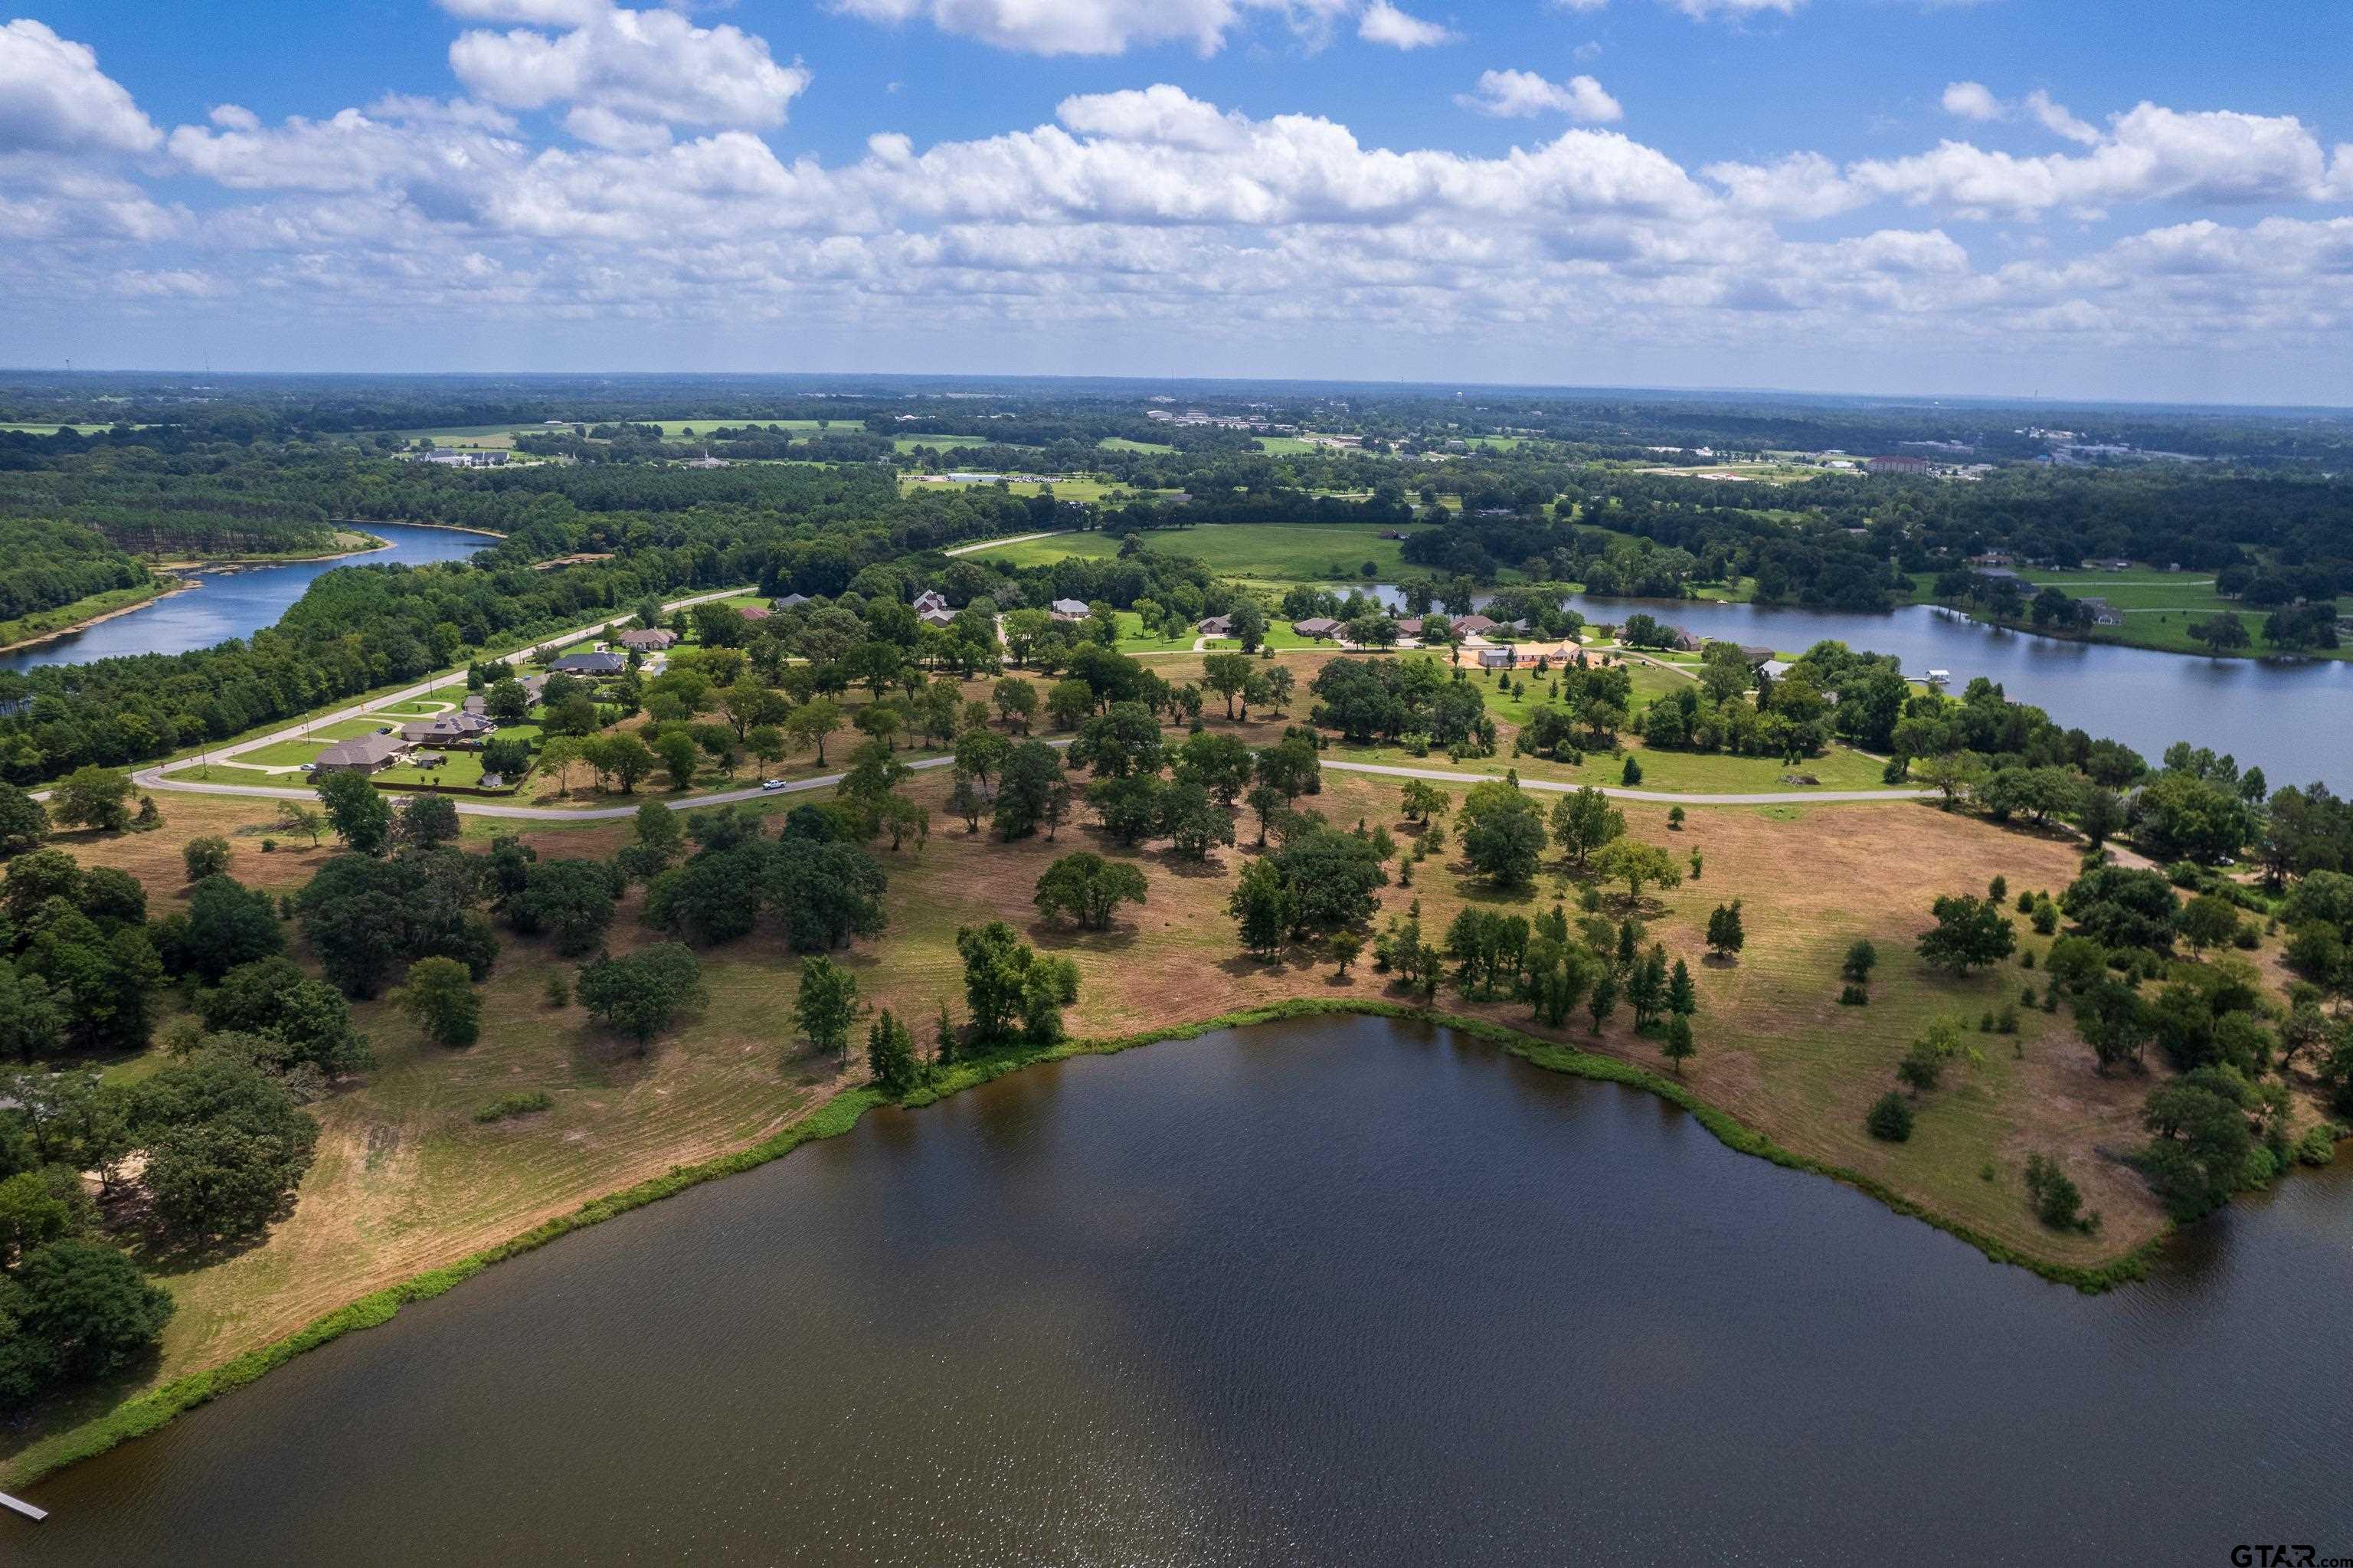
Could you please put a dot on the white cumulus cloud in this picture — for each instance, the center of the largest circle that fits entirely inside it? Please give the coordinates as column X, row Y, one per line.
column 624, row 76
column 54, row 99
column 1522, row 94
column 1383, row 22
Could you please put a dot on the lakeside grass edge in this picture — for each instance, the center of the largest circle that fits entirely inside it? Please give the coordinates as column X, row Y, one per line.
column 149, row 1412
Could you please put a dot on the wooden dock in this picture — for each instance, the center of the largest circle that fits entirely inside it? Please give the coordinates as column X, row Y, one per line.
column 27, row 1510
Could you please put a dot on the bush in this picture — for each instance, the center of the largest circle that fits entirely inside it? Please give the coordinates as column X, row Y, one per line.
column 506, row 1106
column 269, row 846
column 206, row 856
column 2008, row 1022
column 2058, row 1203
column 2246, row 937
column 1855, row 996
column 1889, row 1120
column 2026, row 959
column 2319, row 1145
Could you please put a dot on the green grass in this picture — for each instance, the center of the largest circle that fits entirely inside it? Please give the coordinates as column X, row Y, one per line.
column 1668, row 772
column 1285, row 446
column 464, row 769
column 53, row 429
column 515, row 1105
column 42, row 622
column 1131, row 639
column 1274, row 552
column 1121, row 444
column 286, row 753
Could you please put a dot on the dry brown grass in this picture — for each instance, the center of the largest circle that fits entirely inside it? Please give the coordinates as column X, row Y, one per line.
column 406, row 1179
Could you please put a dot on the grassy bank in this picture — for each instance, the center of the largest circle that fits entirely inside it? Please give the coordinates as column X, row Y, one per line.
column 42, row 625
column 144, row 1415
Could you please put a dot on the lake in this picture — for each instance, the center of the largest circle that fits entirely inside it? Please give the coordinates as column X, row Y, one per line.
column 1346, row 1291
column 238, row 603
column 2291, row 718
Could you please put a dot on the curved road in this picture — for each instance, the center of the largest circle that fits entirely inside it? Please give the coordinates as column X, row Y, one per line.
column 158, row 777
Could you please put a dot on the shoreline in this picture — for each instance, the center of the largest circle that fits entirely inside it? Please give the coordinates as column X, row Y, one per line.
column 176, row 585
column 147, row 1412
column 2092, row 639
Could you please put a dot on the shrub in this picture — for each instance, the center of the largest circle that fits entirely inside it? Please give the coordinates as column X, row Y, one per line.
column 1855, row 996
column 2058, row 1203
column 269, row 846
column 2008, row 1022
column 2026, row 959
column 1889, row 1120
column 2317, row 1146
column 506, row 1106
column 206, row 856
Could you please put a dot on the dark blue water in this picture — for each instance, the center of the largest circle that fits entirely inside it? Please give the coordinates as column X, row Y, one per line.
column 236, row 603
column 2291, row 718
column 1345, row 1292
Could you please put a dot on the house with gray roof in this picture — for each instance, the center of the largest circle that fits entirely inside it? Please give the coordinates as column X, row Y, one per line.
column 365, row 755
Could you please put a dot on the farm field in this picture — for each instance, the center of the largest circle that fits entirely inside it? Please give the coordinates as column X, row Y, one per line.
column 1121, row 444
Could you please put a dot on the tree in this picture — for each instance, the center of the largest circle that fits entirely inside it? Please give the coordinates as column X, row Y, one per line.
column 293, row 817
column 1921, row 1069
column 680, row 756
column 1422, row 801
column 1971, row 933
column 890, row 1059
column 1602, row 1001
column 1123, row 742
column 83, row 1310
column 93, row 796
column 1346, row 946
column 2197, row 1156
column 1502, row 833
column 1637, row 865
column 1891, row 1119
column 1631, row 774
column 1221, row 764
column 810, row 723
column 572, row 900
column 1860, row 959
column 1725, row 935
column 826, row 1006
column 2220, row 633
column 1227, row 675
column 1017, row 703
column 1248, row 623
column 1682, row 997
column 439, row 997
column 2122, row 906
column 1264, row 908
column 1584, row 822
column 206, row 856
column 505, row 700
column 1191, row 821
column 1089, row 889
column 1028, row 781
column 23, row 822
column 2207, row 921
column 1004, row 980
column 272, row 999
column 226, row 1145
column 224, row 925
column 423, row 820
column 980, row 753
column 1292, row 766
column 645, row 993
column 359, row 815
column 1677, row 1047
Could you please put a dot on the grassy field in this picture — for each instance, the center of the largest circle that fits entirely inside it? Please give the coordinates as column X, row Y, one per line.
column 1121, row 444
column 2159, row 608
column 1066, row 489
column 1274, row 552
column 1285, row 446
column 53, row 429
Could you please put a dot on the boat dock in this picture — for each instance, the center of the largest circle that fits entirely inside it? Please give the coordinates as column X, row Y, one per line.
column 27, row 1510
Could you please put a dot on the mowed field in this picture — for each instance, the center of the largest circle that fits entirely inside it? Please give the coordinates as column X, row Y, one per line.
column 1277, row 552
column 406, row 1178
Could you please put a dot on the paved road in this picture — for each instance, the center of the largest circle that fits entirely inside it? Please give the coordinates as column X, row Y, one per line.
column 157, row 779
column 1000, row 544
column 1658, row 797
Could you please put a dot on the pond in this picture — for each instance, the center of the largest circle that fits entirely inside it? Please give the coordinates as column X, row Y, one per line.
column 2291, row 718
column 238, row 602
column 1345, row 1291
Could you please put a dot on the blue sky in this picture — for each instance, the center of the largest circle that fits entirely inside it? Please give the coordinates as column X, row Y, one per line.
column 2000, row 198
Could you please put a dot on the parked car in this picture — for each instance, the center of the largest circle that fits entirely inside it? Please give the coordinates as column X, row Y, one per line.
column 772, row 783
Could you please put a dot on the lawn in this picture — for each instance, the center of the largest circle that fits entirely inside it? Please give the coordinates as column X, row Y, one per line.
column 1121, row 444
column 1131, row 639
column 53, row 429
column 286, row 753
column 1045, row 552
column 1285, row 446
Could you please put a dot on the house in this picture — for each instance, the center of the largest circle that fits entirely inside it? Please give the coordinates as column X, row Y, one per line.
column 1216, row 626
column 753, row 612
column 1318, row 627
column 648, row 640
column 1774, row 669
column 476, row 704
column 447, row 729
column 930, row 598
column 2103, row 613
column 792, row 601
column 1474, row 625
column 2113, row 564
column 1756, row 656
column 1899, row 465
column 936, row 618
column 1996, row 574
column 1522, row 656
column 1993, row 559
column 365, row 755
column 1068, row 609
column 590, row 664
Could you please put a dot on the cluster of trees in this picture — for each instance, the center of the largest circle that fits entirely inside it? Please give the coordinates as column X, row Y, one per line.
column 50, row 562
column 1369, row 701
